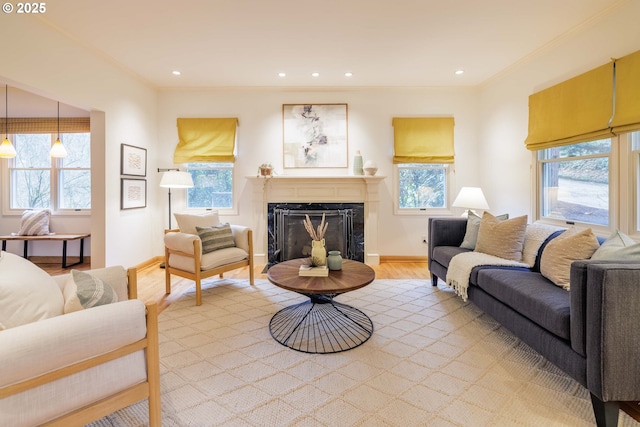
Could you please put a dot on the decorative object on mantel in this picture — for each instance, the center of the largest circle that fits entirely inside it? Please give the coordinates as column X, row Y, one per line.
column 265, row 170
column 370, row 168
column 357, row 164
column 318, row 251
column 334, row 260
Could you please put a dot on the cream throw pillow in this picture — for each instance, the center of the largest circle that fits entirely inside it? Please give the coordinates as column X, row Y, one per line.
column 188, row 222
column 572, row 245
column 504, row 239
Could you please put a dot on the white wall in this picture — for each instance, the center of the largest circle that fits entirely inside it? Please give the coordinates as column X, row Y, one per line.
column 503, row 109
column 370, row 112
column 41, row 60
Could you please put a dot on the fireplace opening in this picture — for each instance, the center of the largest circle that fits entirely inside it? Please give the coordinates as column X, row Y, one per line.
column 288, row 238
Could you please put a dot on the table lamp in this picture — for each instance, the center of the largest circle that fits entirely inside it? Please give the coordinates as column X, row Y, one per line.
column 470, row 198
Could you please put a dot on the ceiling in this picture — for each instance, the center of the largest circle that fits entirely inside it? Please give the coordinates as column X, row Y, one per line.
column 384, row 43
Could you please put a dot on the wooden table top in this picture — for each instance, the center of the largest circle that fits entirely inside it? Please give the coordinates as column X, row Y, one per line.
column 354, row 275
column 46, row 237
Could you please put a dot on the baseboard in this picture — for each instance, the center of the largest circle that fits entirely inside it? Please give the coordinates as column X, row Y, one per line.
column 153, row 261
column 393, row 258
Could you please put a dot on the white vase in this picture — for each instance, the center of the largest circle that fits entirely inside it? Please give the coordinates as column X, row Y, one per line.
column 318, row 253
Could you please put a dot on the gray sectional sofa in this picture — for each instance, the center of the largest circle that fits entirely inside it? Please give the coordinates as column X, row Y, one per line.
column 591, row 332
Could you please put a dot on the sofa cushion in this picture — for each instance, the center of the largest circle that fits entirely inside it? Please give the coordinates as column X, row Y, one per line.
column 215, row 237
column 473, row 226
column 188, row 222
column 27, row 293
column 504, row 239
column 35, row 223
column 208, row 261
column 443, row 254
column 570, row 246
column 531, row 295
column 619, row 247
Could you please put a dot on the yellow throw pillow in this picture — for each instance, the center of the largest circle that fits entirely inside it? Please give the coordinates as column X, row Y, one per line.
column 572, row 245
column 504, row 239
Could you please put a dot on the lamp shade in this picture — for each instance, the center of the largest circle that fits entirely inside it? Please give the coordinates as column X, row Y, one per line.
column 176, row 179
column 6, row 149
column 58, row 150
column 471, row 198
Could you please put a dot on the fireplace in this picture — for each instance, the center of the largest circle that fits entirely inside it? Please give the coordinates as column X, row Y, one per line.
column 288, row 239
column 323, row 193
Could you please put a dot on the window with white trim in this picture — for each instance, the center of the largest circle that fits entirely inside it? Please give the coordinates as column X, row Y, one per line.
column 422, row 186
column 595, row 184
column 38, row 181
column 212, row 185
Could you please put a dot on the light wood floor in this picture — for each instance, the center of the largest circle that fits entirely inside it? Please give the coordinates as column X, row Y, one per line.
column 151, row 281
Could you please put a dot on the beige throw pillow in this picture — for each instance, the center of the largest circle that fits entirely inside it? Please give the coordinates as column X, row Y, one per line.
column 188, row 222
column 504, row 239
column 572, row 245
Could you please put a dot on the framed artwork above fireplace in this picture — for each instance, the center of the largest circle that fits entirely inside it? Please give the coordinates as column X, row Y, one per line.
column 315, row 135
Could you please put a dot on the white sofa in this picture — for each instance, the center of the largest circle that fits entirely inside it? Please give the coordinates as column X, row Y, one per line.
column 71, row 369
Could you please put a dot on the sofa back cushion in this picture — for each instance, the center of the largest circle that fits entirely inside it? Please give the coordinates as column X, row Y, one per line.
column 504, row 239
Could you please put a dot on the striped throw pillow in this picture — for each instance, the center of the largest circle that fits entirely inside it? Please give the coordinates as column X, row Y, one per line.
column 35, row 223
column 92, row 291
column 215, row 237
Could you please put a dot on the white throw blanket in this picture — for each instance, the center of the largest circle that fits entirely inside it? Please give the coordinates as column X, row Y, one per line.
column 460, row 267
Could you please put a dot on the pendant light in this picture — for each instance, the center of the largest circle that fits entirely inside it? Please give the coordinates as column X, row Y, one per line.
column 6, row 148
column 58, row 150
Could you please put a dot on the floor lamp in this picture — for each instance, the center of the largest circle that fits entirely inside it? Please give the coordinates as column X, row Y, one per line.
column 173, row 178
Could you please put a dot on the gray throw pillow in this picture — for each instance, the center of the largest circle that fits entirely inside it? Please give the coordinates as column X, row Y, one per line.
column 92, row 291
column 473, row 225
column 618, row 247
column 216, row 237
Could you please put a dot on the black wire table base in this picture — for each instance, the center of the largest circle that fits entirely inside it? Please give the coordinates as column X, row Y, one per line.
column 320, row 325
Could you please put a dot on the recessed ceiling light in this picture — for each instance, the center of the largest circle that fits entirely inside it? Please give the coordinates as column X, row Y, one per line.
column 458, row 72
column 282, row 74
column 348, row 74
column 176, row 73
column 315, row 74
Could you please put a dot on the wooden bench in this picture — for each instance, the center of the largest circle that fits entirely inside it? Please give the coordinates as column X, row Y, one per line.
column 50, row 237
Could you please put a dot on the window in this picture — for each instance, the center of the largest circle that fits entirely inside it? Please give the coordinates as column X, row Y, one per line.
column 38, row 181
column 575, row 182
column 422, row 186
column 594, row 183
column 213, row 185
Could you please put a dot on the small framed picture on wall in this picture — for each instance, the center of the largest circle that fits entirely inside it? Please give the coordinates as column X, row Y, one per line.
column 133, row 193
column 133, row 160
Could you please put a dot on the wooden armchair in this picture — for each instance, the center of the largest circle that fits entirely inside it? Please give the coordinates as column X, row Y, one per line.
column 184, row 257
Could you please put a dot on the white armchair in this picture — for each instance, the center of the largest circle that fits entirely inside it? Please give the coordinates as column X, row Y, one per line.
column 74, row 368
column 184, row 257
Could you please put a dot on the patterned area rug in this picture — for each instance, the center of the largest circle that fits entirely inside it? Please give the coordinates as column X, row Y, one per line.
column 432, row 360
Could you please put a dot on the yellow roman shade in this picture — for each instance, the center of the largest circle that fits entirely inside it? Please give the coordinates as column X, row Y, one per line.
column 423, row 140
column 627, row 97
column 575, row 110
column 206, row 140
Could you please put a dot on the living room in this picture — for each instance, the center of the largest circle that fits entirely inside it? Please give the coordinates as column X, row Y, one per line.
column 491, row 125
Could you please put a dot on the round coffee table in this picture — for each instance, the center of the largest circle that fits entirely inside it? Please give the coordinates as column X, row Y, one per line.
column 321, row 325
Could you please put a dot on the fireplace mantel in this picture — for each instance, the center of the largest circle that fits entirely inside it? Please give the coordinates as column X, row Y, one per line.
column 314, row 189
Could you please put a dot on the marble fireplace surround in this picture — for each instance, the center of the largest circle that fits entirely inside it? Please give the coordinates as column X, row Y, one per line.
column 316, row 189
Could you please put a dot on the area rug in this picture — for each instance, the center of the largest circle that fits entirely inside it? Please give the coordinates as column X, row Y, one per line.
column 432, row 360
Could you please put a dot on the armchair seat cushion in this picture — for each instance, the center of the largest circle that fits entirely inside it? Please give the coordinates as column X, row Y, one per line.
column 208, row 261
